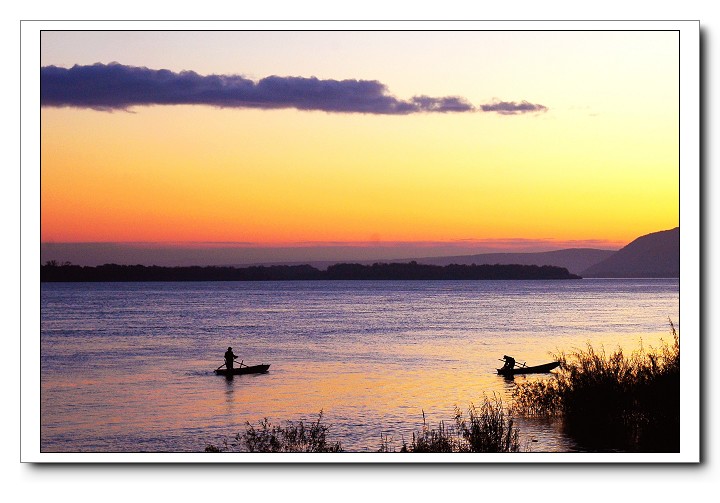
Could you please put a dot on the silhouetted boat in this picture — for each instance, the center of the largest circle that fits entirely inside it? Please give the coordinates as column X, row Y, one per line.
column 253, row 369
column 537, row 369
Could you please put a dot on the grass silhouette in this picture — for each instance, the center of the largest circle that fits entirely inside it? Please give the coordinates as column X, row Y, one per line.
column 613, row 402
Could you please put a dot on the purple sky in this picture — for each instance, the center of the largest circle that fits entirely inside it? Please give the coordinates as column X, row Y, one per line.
column 238, row 254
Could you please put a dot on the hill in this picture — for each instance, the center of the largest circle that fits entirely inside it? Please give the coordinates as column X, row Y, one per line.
column 655, row 255
column 574, row 260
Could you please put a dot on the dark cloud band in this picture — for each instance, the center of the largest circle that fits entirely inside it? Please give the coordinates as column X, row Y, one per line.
column 512, row 108
column 118, row 87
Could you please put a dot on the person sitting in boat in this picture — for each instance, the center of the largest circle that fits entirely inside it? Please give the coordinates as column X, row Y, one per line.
column 229, row 358
column 509, row 362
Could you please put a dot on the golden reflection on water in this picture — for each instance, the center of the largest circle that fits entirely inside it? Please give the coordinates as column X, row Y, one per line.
column 164, row 396
column 390, row 399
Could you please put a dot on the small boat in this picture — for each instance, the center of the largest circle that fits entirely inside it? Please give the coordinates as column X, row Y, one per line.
column 253, row 369
column 537, row 369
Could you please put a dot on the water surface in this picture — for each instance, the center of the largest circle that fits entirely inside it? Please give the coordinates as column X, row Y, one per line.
column 127, row 367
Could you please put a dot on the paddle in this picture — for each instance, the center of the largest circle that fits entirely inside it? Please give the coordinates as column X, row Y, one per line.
column 241, row 363
column 221, row 366
column 521, row 365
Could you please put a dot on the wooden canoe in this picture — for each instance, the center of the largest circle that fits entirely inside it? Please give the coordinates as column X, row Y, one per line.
column 537, row 369
column 254, row 369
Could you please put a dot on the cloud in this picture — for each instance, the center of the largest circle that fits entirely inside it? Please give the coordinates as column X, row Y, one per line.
column 449, row 104
column 512, row 108
column 119, row 87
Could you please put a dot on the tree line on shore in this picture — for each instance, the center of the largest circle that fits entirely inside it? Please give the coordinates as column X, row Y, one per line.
column 66, row 272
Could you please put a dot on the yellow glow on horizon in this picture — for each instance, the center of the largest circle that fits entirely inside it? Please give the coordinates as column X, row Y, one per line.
column 280, row 176
column 602, row 163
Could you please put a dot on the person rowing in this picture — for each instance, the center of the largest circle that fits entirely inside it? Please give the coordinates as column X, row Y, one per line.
column 509, row 362
column 229, row 359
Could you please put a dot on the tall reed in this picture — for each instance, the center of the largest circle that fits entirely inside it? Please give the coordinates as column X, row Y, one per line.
column 613, row 402
column 488, row 428
column 293, row 437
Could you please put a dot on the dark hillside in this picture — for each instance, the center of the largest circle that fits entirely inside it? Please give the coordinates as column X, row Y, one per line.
column 575, row 260
column 655, row 255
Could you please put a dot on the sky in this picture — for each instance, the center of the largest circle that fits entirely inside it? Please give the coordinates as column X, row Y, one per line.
column 360, row 144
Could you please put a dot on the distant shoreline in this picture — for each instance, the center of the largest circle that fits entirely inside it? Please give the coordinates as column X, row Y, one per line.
column 53, row 272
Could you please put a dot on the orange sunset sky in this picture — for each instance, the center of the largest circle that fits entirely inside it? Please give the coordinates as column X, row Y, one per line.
column 553, row 138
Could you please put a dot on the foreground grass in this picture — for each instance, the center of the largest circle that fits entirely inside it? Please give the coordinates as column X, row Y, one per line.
column 487, row 428
column 615, row 402
column 293, row 437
